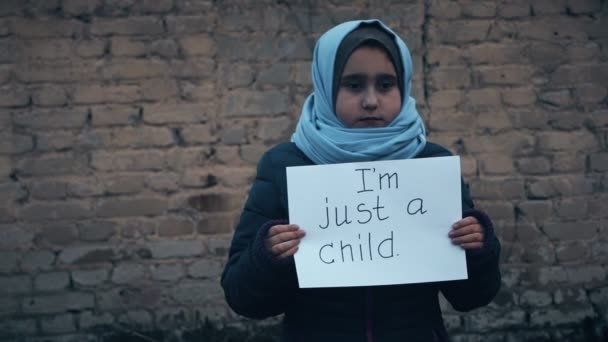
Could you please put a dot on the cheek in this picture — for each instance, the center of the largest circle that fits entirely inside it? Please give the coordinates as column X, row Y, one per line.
column 346, row 106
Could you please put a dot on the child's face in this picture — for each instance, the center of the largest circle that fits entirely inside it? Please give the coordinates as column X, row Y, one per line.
column 368, row 94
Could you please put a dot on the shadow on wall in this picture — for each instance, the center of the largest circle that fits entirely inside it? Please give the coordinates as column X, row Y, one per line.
column 588, row 330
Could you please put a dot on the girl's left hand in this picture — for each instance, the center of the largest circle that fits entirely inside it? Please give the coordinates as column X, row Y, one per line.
column 467, row 233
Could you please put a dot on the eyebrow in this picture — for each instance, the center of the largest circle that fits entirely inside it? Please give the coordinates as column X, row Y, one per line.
column 362, row 75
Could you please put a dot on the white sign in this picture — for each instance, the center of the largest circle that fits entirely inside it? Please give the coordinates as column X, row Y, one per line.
column 377, row 223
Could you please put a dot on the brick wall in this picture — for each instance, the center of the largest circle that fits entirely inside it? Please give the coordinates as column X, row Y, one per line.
column 130, row 129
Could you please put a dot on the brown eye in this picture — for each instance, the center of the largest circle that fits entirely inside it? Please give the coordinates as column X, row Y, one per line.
column 386, row 83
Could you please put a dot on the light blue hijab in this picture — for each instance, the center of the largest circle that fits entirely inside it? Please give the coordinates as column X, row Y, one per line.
column 322, row 136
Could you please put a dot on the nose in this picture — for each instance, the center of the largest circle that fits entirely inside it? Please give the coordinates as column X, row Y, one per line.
column 370, row 100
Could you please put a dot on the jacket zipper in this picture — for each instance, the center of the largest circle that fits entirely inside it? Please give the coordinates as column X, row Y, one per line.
column 368, row 315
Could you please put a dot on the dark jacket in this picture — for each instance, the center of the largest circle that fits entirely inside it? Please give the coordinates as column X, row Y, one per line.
column 257, row 285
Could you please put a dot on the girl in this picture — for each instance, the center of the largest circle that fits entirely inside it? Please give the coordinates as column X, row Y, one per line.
column 360, row 110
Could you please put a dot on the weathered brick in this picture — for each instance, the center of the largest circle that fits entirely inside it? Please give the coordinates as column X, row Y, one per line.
column 18, row 327
column 8, row 262
column 599, row 162
column 58, row 303
column 14, row 285
column 181, row 158
column 444, row 10
column 159, row 89
column 571, row 208
column 441, row 56
column 519, row 96
column 89, row 319
column 174, row 113
column 193, row 90
column 37, row 260
column 49, row 96
column 55, row 141
column 496, row 165
column 96, row 230
column 455, row 77
column 87, row 254
column 484, row 98
column 446, row 99
column 446, row 120
column 182, row 25
column 46, row 27
column 252, row 153
column 490, row 320
column 494, row 53
column 570, row 296
column 193, row 68
column 175, row 249
column 49, row 119
column 173, row 317
column 48, row 189
column 138, row 319
column 134, row 137
column 198, row 134
column 53, row 281
column 570, row 141
column 559, row 186
column 56, row 211
column 534, row 165
column 480, row 9
column 80, row 7
column 131, row 207
column 127, row 26
column 114, row 115
column 175, row 226
column 92, row 277
column 495, row 189
column 127, row 47
column 128, row 160
column 571, row 251
column 536, row 298
column 47, row 48
column 555, row 317
column 590, row 93
column 14, row 96
column 459, row 31
column 85, row 187
column 9, row 306
column 15, row 237
column 580, row 73
column 275, row 129
column 114, row 93
column 564, row 231
column 57, row 233
column 215, row 202
column 255, row 103
column 205, row 268
column 566, row 120
column 503, row 75
column 276, row 74
column 198, row 45
column 192, row 293
column 585, row 274
column 12, row 143
column 568, row 162
column 128, row 273
column 537, row 211
column 216, row 224
column 233, row 135
column 167, row 272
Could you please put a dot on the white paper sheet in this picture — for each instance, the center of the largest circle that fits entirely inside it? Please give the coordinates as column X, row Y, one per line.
column 392, row 223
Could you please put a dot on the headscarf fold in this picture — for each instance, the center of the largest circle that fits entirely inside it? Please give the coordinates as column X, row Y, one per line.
column 322, row 136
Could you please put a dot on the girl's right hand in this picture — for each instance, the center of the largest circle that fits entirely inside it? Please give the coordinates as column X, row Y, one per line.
column 283, row 240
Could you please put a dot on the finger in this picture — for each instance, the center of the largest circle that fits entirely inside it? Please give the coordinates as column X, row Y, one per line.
column 281, row 228
column 286, row 236
column 465, row 222
column 283, row 247
column 466, row 230
column 288, row 253
column 476, row 237
column 472, row 245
